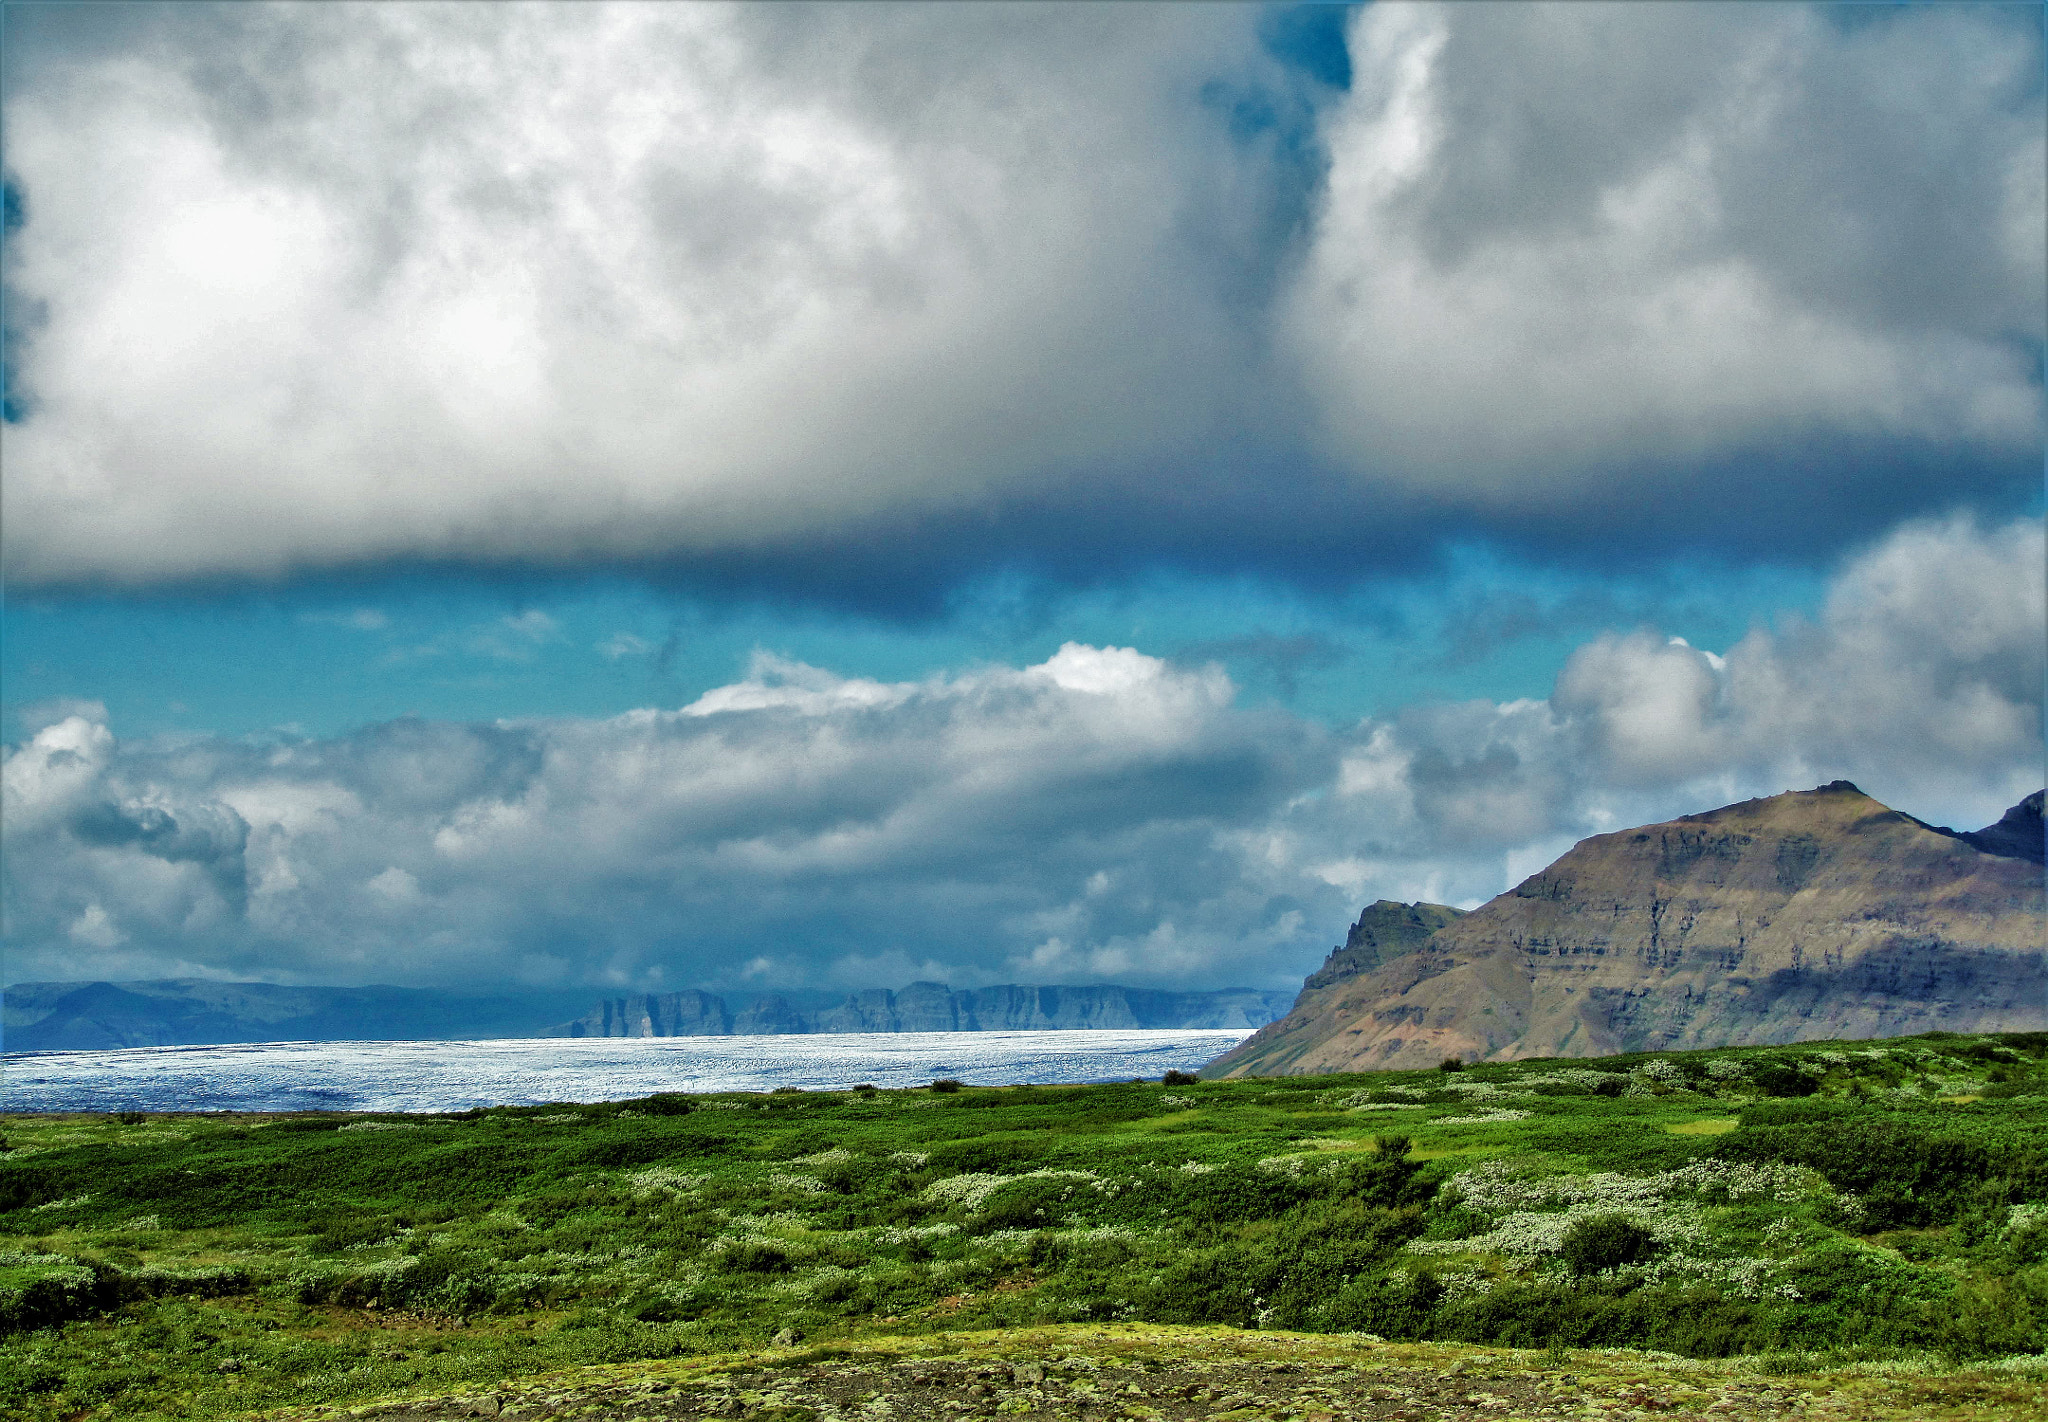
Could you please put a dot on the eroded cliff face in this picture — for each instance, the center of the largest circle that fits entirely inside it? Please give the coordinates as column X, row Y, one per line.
column 1809, row 915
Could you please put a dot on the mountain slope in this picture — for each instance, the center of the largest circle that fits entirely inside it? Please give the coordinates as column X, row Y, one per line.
column 1803, row 916
column 1330, row 997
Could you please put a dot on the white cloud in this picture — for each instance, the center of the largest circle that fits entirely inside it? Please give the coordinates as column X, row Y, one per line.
column 310, row 286
column 359, row 619
column 93, row 929
column 1921, row 680
column 1103, row 814
column 623, row 644
column 1561, row 238
column 335, row 284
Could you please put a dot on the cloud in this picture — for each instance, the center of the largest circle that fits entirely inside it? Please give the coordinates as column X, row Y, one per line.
column 1102, row 815
column 1560, row 240
column 830, row 826
column 1921, row 679
column 38, row 714
column 360, row 619
column 846, row 299
column 624, row 644
column 323, row 285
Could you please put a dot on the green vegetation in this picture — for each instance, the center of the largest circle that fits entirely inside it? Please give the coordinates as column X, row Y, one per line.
column 1875, row 1203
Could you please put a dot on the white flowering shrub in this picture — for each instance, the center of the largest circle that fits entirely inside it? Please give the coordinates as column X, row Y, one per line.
column 2024, row 1217
column 1745, row 1277
column 1723, row 1069
column 69, row 1203
column 660, row 1180
column 1528, row 1217
column 1291, row 1166
column 1380, row 1098
column 1577, row 1078
column 1526, row 1236
column 1467, row 1283
column 971, row 1191
column 838, row 1155
column 1482, row 1118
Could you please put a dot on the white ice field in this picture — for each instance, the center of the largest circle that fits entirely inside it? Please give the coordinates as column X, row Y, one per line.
column 453, row 1076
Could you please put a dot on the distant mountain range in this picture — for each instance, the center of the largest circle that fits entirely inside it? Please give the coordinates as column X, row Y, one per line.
column 1817, row 914
column 197, row 1012
column 188, row 1012
column 931, row 1007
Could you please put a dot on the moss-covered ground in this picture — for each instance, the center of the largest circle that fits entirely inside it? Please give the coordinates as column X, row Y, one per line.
column 1855, row 1229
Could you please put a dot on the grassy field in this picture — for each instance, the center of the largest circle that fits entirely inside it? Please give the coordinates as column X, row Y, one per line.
column 1856, row 1226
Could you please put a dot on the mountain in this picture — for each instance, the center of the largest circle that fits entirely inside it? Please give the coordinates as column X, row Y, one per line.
column 51, row 1017
column 1384, row 932
column 929, row 1007
column 1808, row 915
column 71, row 1017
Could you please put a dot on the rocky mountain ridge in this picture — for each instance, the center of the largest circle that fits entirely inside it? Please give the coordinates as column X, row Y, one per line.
column 1808, row 915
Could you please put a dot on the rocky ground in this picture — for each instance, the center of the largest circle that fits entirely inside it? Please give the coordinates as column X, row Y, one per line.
column 1196, row 1375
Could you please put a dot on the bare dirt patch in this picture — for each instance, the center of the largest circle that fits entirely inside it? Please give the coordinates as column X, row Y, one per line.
column 1155, row 1374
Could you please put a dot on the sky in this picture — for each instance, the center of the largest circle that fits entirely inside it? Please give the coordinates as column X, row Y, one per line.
column 634, row 497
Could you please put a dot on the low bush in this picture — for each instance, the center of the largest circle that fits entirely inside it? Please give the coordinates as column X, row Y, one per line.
column 1599, row 1243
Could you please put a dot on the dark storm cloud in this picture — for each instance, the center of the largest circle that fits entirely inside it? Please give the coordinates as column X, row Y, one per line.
column 855, row 304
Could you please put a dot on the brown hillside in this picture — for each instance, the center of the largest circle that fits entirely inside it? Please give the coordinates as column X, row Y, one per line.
column 1808, row 915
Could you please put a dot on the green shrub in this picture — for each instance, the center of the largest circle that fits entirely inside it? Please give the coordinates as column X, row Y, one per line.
column 990, row 1155
column 1601, row 1242
column 1994, row 1318
column 758, row 1257
column 1396, row 1306
column 1698, row 1322
column 1906, row 1172
column 1776, row 1078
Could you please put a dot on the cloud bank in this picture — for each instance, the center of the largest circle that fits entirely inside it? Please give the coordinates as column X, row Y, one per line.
column 313, row 287
column 1103, row 815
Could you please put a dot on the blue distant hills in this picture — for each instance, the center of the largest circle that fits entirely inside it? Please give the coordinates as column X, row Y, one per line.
column 90, row 1016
